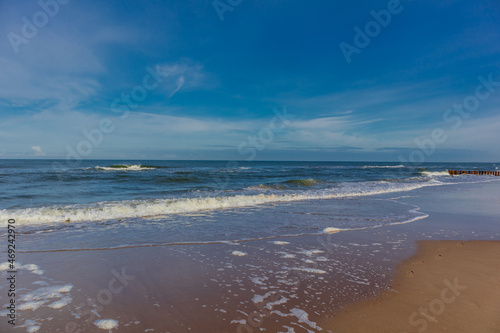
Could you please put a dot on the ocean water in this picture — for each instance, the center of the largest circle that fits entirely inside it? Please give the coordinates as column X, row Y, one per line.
column 108, row 204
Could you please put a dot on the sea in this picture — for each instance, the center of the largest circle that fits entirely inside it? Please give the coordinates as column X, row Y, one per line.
column 99, row 204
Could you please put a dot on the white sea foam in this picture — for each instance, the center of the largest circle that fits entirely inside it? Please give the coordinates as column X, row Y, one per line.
column 41, row 296
column 303, row 317
column 310, row 253
column 310, row 270
column 55, row 297
column 120, row 167
column 106, row 324
column 282, row 300
column 30, row 306
column 32, row 326
column 435, row 173
column 41, row 283
column 383, row 166
column 29, row 267
column 288, row 329
column 32, row 268
column 61, row 303
column 258, row 280
column 331, row 230
column 147, row 208
column 260, row 298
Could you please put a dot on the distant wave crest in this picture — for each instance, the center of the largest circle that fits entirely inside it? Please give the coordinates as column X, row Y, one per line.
column 124, row 167
column 288, row 184
column 303, row 182
column 383, row 166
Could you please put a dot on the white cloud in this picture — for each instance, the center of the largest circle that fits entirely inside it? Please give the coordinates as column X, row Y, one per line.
column 38, row 150
column 141, row 132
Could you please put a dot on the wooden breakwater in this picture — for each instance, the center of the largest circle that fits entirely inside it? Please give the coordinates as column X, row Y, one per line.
column 474, row 172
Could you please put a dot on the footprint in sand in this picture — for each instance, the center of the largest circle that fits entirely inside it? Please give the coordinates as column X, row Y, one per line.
column 417, row 262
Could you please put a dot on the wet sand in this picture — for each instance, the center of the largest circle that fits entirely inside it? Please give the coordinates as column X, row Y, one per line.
column 448, row 286
column 195, row 288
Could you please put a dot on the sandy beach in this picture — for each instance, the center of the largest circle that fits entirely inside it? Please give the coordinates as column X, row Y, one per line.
column 448, row 286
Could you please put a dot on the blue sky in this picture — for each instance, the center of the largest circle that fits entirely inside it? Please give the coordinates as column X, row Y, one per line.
column 221, row 73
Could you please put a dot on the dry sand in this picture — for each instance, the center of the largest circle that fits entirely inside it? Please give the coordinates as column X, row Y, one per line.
column 448, row 286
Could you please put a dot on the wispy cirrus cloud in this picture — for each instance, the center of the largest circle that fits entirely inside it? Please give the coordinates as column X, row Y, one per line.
column 22, row 86
column 188, row 76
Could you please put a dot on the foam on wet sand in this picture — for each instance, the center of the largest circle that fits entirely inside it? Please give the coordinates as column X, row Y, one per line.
column 106, row 324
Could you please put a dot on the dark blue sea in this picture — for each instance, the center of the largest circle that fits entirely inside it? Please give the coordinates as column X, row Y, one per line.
column 100, row 203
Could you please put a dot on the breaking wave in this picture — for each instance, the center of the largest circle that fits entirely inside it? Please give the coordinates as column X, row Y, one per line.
column 124, row 167
column 434, row 173
column 303, row 182
column 383, row 166
column 156, row 207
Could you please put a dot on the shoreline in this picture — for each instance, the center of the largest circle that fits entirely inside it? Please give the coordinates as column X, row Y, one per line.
column 446, row 286
column 275, row 284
